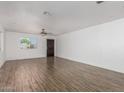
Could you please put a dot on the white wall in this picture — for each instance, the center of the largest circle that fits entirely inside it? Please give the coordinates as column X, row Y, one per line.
column 101, row 45
column 14, row 52
column 0, row 40
column 2, row 48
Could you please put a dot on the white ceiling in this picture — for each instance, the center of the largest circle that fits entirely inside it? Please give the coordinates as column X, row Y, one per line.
column 65, row 16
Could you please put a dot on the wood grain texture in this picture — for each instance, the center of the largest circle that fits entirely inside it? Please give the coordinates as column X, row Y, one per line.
column 57, row 74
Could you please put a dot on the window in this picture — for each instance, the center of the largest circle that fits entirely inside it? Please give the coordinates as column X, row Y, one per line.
column 28, row 43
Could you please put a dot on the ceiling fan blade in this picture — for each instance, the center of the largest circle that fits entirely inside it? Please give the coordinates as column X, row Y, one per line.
column 99, row 2
column 51, row 34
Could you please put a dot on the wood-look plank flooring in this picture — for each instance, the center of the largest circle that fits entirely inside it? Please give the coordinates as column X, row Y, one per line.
column 57, row 74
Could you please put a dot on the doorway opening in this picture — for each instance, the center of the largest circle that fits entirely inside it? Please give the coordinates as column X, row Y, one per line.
column 50, row 47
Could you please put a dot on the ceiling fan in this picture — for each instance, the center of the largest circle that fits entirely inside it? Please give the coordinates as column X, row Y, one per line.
column 99, row 2
column 44, row 33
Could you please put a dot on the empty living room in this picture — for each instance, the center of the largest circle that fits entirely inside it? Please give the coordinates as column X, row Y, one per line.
column 61, row 46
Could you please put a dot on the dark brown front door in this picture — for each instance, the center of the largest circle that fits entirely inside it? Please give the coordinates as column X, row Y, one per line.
column 50, row 47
